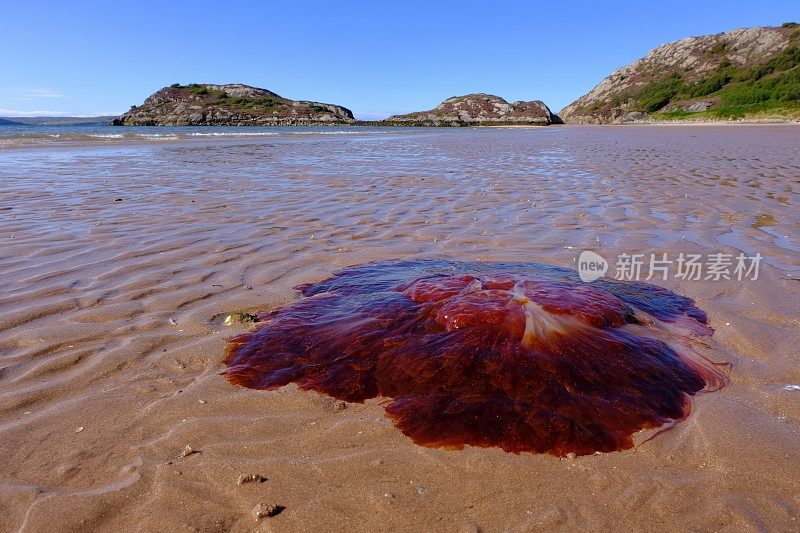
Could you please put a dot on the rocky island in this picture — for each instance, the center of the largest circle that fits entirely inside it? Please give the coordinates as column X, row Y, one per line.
column 229, row 105
column 749, row 73
column 242, row 105
column 479, row 110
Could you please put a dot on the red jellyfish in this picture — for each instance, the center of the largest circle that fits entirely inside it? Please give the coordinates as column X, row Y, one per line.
column 522, row 356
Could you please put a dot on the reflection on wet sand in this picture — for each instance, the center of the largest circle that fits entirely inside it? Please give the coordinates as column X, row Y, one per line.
column 119, row 259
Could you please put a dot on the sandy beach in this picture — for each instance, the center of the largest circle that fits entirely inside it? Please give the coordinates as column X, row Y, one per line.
column 122, row 257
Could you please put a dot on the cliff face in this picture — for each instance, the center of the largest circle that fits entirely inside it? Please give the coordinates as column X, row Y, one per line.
column 479, row 110
column 727, row 75
column 229, row 105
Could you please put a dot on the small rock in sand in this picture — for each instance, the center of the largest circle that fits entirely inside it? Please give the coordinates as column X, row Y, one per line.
column 251, row 478
column 339, row 406
column 240, row 317
column 187, row 451
column 267, row 511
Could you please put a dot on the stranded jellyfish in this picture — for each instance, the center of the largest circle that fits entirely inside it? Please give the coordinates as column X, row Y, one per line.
column 522, row 356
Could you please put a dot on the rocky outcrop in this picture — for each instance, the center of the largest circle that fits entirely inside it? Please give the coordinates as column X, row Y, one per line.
column 479, row 110
column 688, row 76
column 229, row 105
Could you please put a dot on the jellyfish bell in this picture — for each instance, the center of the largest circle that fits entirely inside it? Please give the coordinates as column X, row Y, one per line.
column 522, row 356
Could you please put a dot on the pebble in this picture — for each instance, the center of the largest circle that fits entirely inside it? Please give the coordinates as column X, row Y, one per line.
column 187, row 451
column 251, row 478
column 267, row 511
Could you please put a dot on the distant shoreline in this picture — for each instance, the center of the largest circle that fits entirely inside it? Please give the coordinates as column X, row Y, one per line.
column 743, row 122
column 107, row 121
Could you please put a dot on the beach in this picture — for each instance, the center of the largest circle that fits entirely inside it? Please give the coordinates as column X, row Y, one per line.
column 122, row 255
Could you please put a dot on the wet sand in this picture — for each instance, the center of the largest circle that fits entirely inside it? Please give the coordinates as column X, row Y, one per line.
column 121, row 261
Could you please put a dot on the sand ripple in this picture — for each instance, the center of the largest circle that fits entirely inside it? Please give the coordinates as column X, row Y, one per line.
column 118, row 261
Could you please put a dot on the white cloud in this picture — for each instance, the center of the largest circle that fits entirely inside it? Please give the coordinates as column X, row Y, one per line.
column 40, row 92
column 23, row 95
column 48, row 113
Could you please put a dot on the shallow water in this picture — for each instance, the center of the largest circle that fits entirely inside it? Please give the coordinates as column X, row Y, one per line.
column 27, row 136
column 108, row 241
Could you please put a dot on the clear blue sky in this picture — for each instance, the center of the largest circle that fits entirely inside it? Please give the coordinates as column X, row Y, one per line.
column 377, row 58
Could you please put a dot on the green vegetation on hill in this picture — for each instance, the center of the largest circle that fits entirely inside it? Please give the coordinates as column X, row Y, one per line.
column 231, row 104
column 220, row 97
column 243, row 101
column 205, row 91
column 657, row 94
column 737, row 91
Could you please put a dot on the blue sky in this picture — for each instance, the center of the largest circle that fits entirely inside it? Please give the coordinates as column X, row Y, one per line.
column 377, row 58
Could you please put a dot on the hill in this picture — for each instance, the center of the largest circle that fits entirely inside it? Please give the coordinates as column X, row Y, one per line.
column 479, row 110
column 744, row 73
column 229, row 105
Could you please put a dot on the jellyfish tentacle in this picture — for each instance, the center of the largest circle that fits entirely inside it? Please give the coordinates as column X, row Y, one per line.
column 525, row 357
